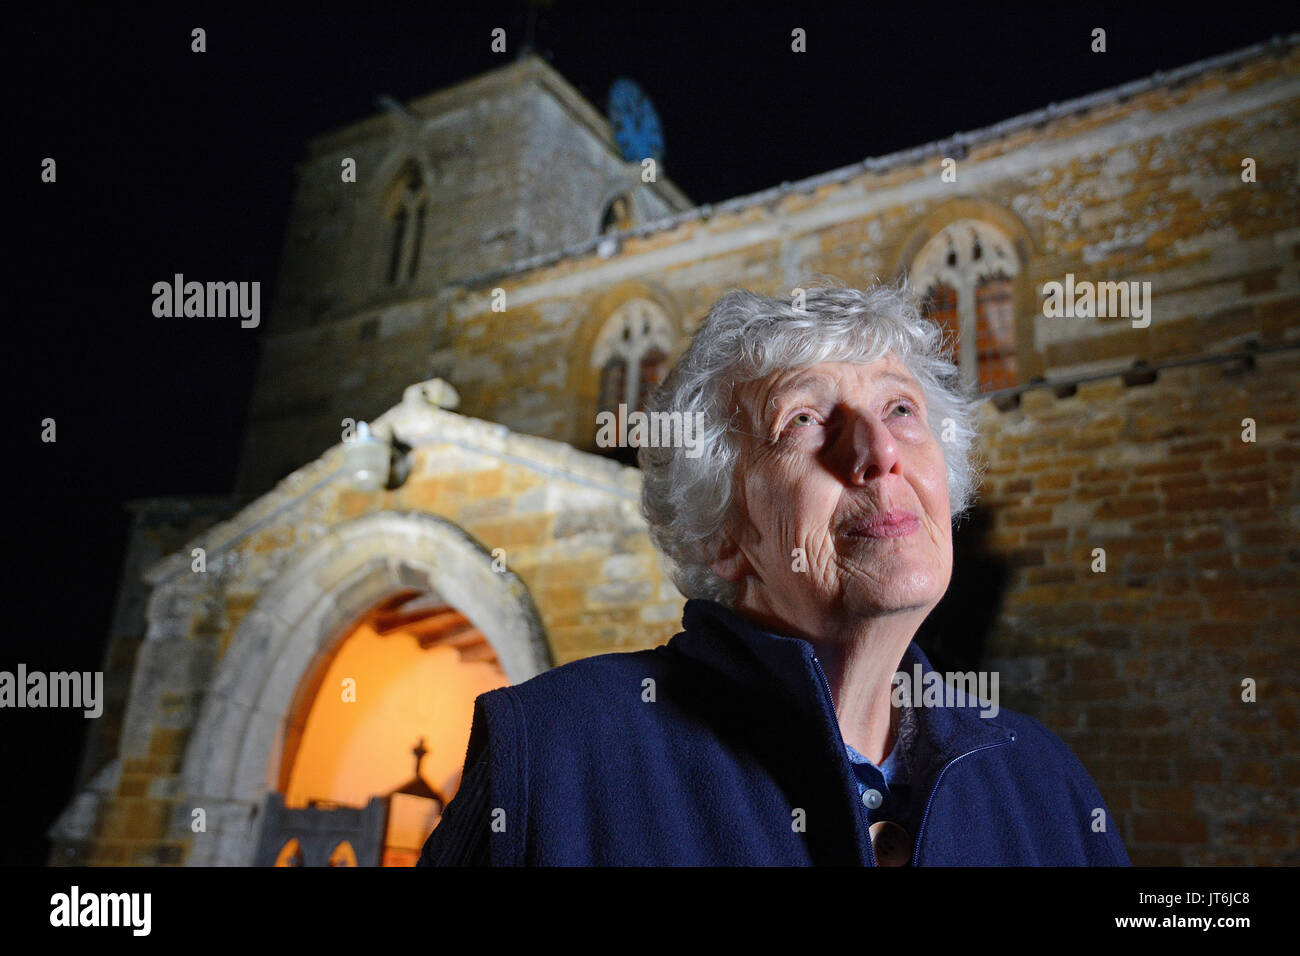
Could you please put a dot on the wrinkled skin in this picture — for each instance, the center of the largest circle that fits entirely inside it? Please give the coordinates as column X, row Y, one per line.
column 823, row 448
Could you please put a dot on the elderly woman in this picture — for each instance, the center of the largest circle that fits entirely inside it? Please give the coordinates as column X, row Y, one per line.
column 781, row 726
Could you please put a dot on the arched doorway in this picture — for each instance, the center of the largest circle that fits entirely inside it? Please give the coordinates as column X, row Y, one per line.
column 255, row 720
column 408, row 673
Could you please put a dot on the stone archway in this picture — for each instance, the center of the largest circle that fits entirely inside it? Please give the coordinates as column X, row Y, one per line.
column 231, row 761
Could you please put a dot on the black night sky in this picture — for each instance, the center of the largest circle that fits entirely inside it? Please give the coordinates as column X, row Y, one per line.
column 171, row 161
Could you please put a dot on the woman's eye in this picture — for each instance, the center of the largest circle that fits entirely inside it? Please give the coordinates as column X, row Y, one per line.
column 796, row 422
column 906, row 406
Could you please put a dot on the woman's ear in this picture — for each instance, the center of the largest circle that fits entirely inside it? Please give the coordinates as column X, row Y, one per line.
column 729, row 562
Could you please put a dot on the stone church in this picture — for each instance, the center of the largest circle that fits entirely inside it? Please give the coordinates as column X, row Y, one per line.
column 423, row 512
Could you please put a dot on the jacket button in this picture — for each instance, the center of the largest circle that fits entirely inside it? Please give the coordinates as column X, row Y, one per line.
column 892, row 844
column 872, row 798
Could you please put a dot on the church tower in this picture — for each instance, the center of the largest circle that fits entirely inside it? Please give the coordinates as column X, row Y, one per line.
column 390, row 212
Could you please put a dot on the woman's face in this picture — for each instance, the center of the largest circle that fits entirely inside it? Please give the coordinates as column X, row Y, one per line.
column 831, row 451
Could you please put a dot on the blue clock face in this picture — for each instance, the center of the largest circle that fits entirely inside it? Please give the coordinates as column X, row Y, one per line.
column 636, row 124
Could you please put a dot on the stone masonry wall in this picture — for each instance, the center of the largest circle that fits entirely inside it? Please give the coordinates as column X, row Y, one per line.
column 1149, row 189
column 1140, row 668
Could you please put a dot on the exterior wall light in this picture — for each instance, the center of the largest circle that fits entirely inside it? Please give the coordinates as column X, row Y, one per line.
column 366, row 460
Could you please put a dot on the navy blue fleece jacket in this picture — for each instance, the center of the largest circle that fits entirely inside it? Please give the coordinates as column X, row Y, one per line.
column 733, row 756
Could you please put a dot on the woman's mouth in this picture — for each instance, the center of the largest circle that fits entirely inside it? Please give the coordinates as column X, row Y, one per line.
column 897, row 523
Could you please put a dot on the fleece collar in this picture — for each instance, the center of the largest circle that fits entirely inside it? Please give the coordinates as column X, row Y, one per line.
column 783, row 667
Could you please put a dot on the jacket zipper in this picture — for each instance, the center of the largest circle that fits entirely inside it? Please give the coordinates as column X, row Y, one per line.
column 925, row 816
column 826, row 685
column 830, row 703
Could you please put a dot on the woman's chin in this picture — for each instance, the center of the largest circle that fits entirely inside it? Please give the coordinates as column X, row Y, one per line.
column 919, row 590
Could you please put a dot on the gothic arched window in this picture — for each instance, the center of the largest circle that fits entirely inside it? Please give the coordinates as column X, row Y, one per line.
column 632, row 352
column 966, row 274
column 617, row 215
column 407, row 213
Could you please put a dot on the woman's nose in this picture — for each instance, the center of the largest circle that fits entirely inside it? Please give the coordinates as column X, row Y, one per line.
column 872, row 451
